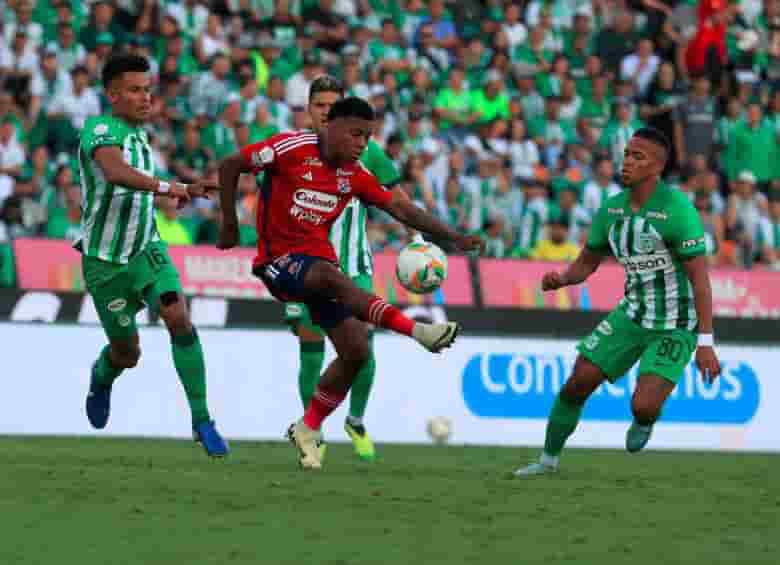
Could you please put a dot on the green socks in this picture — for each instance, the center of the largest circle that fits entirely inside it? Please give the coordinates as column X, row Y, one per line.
column 105, row 373
column 188, row 360
column 361, row 388
column 561, row 424
column 312, row 356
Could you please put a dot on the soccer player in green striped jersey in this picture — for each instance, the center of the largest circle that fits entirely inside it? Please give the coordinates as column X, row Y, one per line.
column 126, row 266
column 349, row 239
column 656, row 234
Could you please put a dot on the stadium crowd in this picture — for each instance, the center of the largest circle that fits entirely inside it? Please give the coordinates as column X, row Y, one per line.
column 507, row 118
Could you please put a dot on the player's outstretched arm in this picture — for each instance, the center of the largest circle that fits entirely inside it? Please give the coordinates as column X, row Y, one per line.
column 116, row 171
column 698, row 274
column 229, row 172
column 404, row 210
column 584, row 266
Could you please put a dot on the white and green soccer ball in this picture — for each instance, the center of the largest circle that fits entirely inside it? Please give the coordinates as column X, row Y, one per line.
column 421, row 267
column 439, row 429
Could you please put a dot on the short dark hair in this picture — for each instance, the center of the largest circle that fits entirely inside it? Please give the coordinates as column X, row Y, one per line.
column 352, row 107
column 325, row 83
column 124, row 63
column 654, row 136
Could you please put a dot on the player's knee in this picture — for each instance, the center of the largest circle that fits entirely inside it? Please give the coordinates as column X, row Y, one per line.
column 575, row 391
column 356, row 353
column 176, row 319
column 126, row 357
column 645, row 408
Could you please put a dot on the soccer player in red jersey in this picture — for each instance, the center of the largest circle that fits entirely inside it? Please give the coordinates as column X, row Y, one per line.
column 309, row 179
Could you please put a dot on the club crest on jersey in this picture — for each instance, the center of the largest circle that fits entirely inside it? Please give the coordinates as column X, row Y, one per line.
column 618, row 211
column 307, row 176
column 312, row 162
column 315, row 200
column 343, row 185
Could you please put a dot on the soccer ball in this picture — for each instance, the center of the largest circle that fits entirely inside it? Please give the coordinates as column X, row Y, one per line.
column 440, row 429
column 421, row 267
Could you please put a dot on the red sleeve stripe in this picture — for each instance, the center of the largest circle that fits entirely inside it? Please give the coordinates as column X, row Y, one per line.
column 295, row 145
column 293, row 139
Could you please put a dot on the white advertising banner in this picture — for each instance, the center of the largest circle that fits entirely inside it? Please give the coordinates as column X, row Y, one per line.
column 494, row 390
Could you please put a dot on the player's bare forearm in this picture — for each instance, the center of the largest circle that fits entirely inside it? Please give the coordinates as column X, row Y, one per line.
column 116, row 170
column 583, row 266
column 404, row 210
column 698, row 274
column 229, row 172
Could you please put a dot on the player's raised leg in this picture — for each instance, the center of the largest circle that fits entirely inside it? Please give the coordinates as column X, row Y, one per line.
column 565, row 415
column 111, row 289
column 324, row 279
column 185, row 348
column 650, row 394
column 350, row 339
column 118, row 355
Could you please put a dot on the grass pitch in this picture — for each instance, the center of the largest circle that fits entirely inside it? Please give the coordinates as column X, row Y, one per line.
column 79, row 501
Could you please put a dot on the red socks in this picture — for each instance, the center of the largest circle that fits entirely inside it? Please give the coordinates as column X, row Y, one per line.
column 321, row 405
column 384, row 315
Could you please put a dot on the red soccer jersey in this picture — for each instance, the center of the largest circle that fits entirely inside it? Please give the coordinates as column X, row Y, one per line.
column 302, row 196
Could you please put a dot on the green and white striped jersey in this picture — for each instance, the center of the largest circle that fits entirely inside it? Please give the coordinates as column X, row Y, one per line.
column 652, row 244
column 117, row 222
column 348, row 232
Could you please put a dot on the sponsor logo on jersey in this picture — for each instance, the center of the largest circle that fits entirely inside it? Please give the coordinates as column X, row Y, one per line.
column 342, row 173
column 657, row 215
column 306, row 216
column 343, row 185
column 616, row 211
column 605, row 327
column 498, row 384
column 307, row 176
column 591, row 342
column 101, row 129
column 312, row 162
column 263, row 157
column 688, row 243
column 646, row 263
column 117, row 305
column 315, row 200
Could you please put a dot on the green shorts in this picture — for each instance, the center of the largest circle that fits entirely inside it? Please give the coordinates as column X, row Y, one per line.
column 296, row 314
column 618, row 342
column 120, row 291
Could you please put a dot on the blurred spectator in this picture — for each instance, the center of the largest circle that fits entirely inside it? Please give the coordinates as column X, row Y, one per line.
column 658, row 106
column 69, row 111
column 640, row 67
column 297, row 89
column 695, row 119
column 69, row 51
column 491, row 102
column 12, row 158
column 444, row 31
column 328, row 28
column 616, row 41
column 576, row 215
column 454, row 108
column 754, row 146
column 523, row 152
column 556, row 246
column 171, row 229
column 65, row 222
column 746, row 207
column 769, row 233
column 210, row 89
column 102, row 20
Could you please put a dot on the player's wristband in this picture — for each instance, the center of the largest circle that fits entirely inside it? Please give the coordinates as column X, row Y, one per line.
column 163, row 187
column 706, row 340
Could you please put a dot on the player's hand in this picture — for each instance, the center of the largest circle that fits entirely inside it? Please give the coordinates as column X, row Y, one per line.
column 470, row 243
column 179, row 192
column 707, row 362
column 203, row 188
column 553, row 281
column 228, row 236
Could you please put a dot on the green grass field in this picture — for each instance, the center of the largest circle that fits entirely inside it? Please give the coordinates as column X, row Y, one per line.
column 74, row 501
